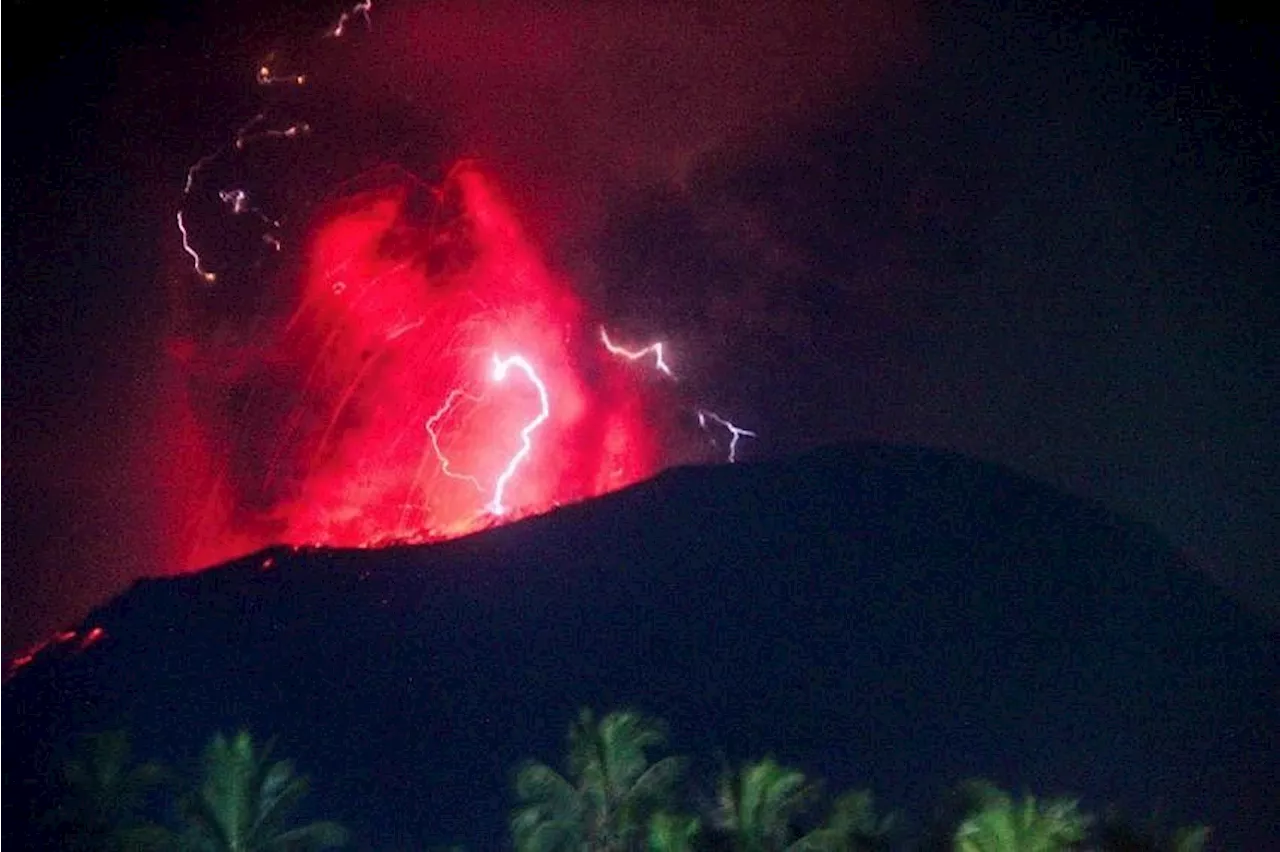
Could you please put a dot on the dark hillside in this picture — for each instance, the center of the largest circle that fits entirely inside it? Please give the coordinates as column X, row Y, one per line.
column 892, row 617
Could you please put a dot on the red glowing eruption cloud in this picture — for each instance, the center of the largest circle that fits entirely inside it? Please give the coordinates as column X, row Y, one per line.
column 434, row 376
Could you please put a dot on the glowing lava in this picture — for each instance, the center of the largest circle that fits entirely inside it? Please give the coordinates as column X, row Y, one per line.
column 382, row 407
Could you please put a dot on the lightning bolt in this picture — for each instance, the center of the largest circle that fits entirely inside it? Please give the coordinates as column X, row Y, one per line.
column 404, row 328
column 705, row 416
column 443, row 410
column 236, row 199
column 192, row 171
column 195, row 258
column 267, row 77
column 195, row 169
column 654, row 349
column 500, row 368
column 362, row 9
column 245, row 134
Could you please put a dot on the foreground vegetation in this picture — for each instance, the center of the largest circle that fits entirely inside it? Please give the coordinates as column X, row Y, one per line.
column 242, row 802
column 614, row 795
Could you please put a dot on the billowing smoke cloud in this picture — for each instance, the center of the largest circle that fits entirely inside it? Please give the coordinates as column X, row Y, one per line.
column 577, row 101
column 308, row 376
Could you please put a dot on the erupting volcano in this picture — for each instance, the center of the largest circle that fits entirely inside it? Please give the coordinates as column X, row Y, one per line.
column 430, row 376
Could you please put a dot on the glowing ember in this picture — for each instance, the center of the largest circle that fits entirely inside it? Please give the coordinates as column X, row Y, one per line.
column 94, row 635
column 55, row 644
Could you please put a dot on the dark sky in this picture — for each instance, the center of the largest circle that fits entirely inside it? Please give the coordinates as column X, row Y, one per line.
column 1043, row 234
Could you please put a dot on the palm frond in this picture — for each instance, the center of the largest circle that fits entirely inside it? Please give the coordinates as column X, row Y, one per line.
column 1026, row 826
column 317, row 835
column 654, row 787
column 670, row 832
column 245, row 799
column 1191, row 838
column 610, row 792
column 760, row 802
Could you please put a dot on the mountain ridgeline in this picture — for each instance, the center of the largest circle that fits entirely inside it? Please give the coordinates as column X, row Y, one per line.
column 891, row 618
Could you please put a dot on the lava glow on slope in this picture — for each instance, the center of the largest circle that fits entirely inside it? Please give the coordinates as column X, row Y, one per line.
column 433, row 376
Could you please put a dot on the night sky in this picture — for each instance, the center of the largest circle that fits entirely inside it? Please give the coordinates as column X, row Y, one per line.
column 1041, row 234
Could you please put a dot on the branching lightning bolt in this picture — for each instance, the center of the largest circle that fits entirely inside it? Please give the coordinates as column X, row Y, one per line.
column 265, row 75
column 654, row 349
column 236, row 199
column 705, row 417
column 735, row 431
column 500, row 368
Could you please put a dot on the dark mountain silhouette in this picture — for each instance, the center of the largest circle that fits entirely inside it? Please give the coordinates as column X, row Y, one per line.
column 892, row 617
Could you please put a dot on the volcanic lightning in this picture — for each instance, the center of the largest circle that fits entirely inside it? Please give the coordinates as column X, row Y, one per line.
column 195, row 257
column 654, row 349
column 735, row 432
column 244, row 135
column 432, row 421
column 266, row 77
column 500, row 368
column 660, row 364
column 362, row 9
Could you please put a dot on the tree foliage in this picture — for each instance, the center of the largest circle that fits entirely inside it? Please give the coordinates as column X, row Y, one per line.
column 758, row 806
column 1117, row 834
column 853, row 826
column 609, row 795
column 1004, row 825
column 245, row 801
column 102, row 797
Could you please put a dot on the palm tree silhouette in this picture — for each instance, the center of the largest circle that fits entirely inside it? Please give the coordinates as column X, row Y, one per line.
column 759, row 805
column 244, row 802
column 1003, row 825
column 610, row 795
column 103, row 794
column 1117, row 834
column 670, row 832
column 852, row 826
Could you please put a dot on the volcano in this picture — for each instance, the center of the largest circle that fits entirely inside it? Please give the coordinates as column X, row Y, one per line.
column 891, row 617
